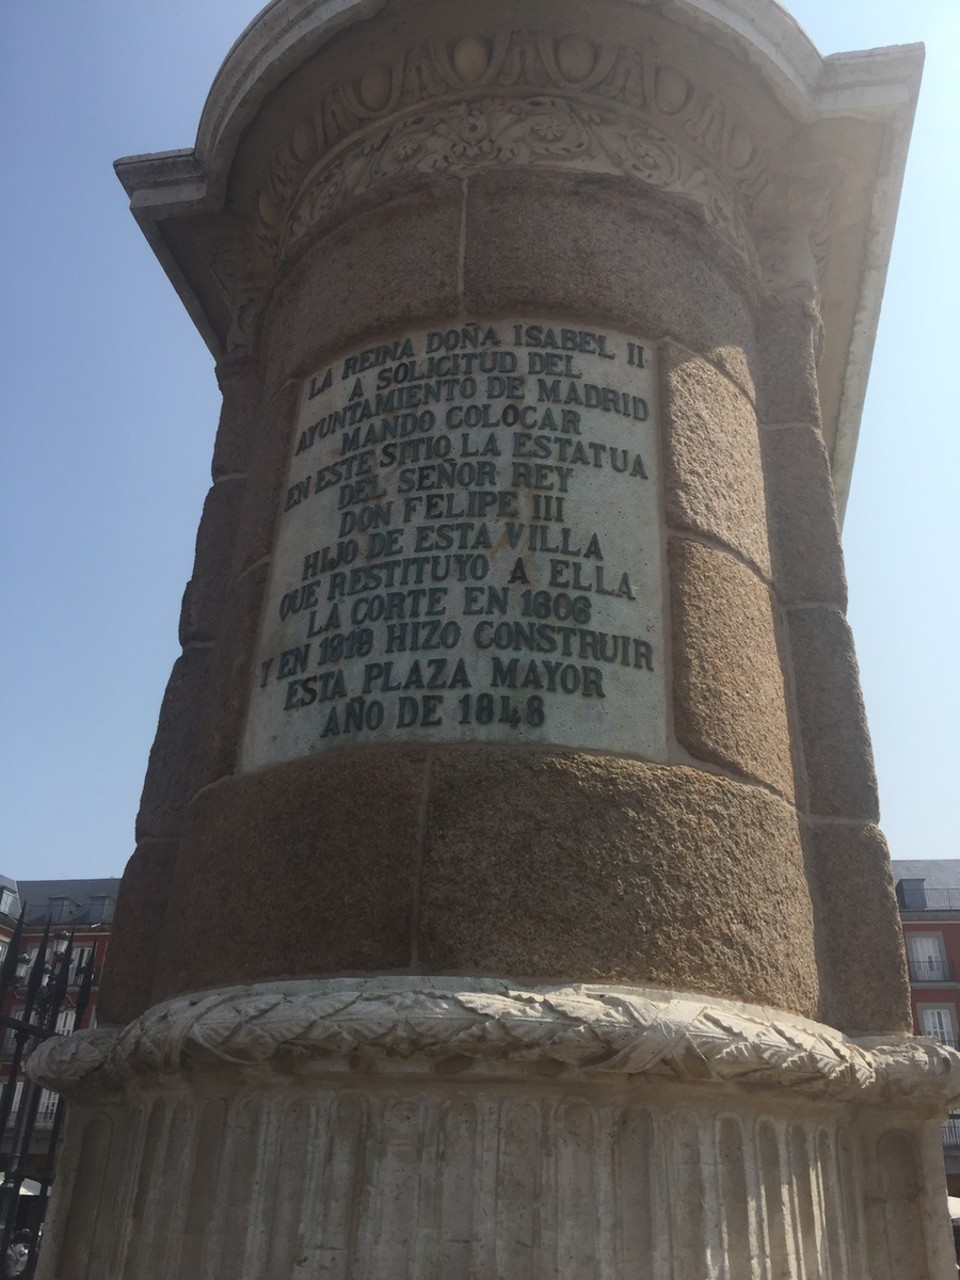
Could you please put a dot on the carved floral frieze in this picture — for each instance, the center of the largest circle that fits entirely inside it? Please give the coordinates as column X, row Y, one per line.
column 523, row 65
column 531, row 132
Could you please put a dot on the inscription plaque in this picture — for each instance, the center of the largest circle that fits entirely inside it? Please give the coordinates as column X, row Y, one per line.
column 469, row 548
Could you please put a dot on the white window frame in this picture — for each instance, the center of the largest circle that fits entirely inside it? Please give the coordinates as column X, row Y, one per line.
column 927, row 935
column 949, row 1035
column 81, row 955
column 47, row 1108
column 65, row 1019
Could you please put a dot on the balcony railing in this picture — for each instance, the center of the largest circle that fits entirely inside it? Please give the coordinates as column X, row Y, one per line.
column 951, row 1042
column 931, row 970
column 950, row 1133
column 913, row 895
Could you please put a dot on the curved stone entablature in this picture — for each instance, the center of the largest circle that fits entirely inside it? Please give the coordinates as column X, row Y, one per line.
column 712, row 159
column 550, row 131
column 727, row 107
column 464, row 1024
column 493, row 99
column 312, row 179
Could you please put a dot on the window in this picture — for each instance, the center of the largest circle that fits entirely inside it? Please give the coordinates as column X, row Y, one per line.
column 61, row 909
column 927, row 958
column 65, row 1022
column 101, row 909
column 7, row 901
column 939, row 1022
column 82, row 956
column 47, row 1109
column 8, row 1037
column 17, row 1096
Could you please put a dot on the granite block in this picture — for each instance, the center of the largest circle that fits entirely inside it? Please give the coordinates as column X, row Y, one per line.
column 588, row 868
column 713, row 474
column 729, row 700
column 833, row 725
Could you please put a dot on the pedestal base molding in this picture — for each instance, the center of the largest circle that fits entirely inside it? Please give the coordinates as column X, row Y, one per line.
column 450, row 1128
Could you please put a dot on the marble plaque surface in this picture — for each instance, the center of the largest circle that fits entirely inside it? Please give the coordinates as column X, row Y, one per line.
column 469, row 548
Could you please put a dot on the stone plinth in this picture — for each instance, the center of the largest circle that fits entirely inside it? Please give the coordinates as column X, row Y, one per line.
column 515, row 650
column 386, row 1127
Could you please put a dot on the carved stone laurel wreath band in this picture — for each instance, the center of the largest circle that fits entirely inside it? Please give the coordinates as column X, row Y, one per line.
column 593, row 1031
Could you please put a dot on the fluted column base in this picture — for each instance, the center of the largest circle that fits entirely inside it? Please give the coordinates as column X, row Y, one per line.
column 463, row 1128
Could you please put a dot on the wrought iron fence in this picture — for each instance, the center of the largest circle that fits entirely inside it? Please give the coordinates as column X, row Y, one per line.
column 950, row 1132
column 34, row 1005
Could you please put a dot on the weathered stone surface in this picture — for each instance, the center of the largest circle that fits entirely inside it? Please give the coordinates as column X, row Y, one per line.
column 587, row 868
column 729, row 701
column 393, row 264
column 808, row 560
column 309, row 868
column 657, row 169
column 138, row 928
column 863, row 973
column 241, row 382
column 206, row 592
column 595, row 246
column 833, row 726
column 167, row 786
column 230, row 676
column 712, row 470
column 606, row 1097
column 586, row 1031
column 264, row 486
column 788, row 333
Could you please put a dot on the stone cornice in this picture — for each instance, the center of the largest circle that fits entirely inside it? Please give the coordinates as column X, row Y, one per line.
column 490, row 1025
column 289, row 31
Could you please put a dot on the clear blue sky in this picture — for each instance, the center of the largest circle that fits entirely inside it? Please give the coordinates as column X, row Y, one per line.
column 109, row 405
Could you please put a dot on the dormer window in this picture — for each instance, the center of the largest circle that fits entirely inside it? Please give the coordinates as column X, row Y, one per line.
column 62, row 909
column 101, row 908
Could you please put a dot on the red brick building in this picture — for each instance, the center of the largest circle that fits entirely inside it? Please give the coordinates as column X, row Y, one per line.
column 928, row 893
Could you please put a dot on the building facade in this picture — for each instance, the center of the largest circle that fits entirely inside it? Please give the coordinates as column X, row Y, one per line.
column 928, row 894
column 55, row 913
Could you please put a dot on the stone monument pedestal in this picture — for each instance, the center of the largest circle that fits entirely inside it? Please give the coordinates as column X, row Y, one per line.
column 388, row 1127
column 508, row 900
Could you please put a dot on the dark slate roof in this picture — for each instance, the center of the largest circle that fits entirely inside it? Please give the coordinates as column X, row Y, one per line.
column 939, row 873
column 36, row 894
